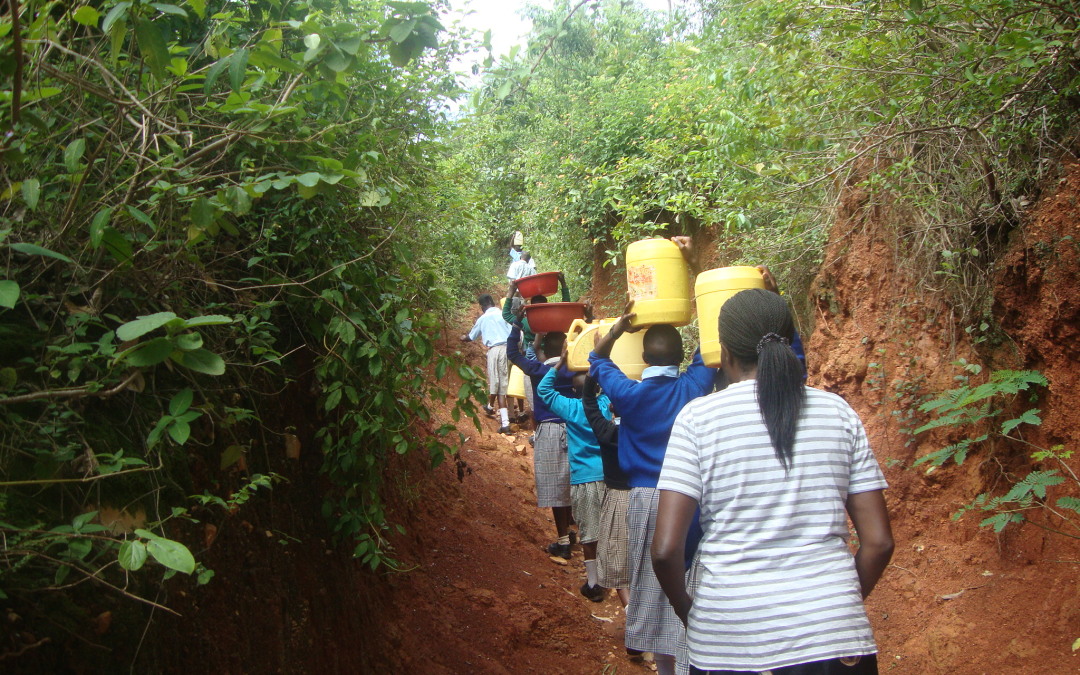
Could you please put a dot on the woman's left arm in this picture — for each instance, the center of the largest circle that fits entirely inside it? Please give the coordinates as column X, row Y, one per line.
column 871, row 520
column 673, row 516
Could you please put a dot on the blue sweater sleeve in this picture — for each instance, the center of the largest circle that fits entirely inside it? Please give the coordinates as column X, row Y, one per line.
column 556, row 402
column 699, row 373
column 611, row 379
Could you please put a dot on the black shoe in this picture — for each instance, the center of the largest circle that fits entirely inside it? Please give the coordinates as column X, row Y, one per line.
column 557, row 550
column 594, row 593
column 504, row 430
column 573, row 537
column 489, row 411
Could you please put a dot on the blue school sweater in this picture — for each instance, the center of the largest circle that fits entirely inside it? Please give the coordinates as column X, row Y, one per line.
column 586, row 466
column 647, row 411
column 535, row 370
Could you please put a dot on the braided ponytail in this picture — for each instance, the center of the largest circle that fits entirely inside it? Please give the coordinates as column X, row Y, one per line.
column 756, row 328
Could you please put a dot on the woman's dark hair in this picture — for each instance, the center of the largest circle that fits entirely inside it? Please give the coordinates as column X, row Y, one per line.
column 756, row 328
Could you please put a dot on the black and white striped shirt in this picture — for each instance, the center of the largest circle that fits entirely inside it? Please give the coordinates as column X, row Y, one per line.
column 778, row 583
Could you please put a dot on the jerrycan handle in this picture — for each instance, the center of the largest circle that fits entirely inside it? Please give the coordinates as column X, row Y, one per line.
column 576, row 328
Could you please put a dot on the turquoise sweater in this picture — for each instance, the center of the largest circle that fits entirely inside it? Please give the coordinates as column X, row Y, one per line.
column 586, row 466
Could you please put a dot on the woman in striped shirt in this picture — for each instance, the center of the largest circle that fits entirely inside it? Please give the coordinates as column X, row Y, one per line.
column 776, row 467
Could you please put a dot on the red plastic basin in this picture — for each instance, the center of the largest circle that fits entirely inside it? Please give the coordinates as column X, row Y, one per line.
column 545, row 283
column 547, row 317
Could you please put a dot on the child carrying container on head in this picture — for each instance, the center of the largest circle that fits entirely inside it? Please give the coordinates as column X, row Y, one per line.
column 648, row 409
column 586, row 470
column 551, row 466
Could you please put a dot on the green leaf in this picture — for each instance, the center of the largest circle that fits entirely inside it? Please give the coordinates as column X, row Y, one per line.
column 141, row 217
column 79, row 521
column 117, row 35
column 34, row 249
column 117, row 245
column 1071, row 503
column 171, row 554
column 165, row 8
column 98, row 225
column 199, row 7
column 402, row 30
column 73, row 154
column 151, row 353
column 189, row 341
column 31, row 190
column 238, row 199
column 202, row 361
column 181, row 401
column 202, row 212
column 232, row 455
column 336, row 60
column 86, row 15
column 118, row 12
column 237, row 68
column 214, row 73
column 153, row 47
column 143, row 325
column 350, row 45
column 9, row 293
column 208, row 320
column 180, row 432
column 312, row 41
column 310, row 179
column 132, row 555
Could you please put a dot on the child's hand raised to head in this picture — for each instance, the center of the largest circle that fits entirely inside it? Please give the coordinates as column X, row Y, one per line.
column 623, row 325
column 564, row 358
column 686, row 247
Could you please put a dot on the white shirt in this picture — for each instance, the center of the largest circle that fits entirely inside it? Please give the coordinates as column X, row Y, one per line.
column 520, row 268
column 778, row 584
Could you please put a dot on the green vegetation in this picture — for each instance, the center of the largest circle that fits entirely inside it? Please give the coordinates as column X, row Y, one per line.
column 202, row 203
column 228, row 229
column 749, row 116
column 982, row 413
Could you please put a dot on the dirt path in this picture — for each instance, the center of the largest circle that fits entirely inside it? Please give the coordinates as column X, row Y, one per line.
column 485, row 597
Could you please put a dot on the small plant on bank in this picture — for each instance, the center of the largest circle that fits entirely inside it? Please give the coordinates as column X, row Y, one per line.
column 983, row 408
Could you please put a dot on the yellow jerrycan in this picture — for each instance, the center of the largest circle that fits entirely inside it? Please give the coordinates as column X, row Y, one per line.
column 713, row 288
column 658, row 281
column 626, row 352
column 580, row 340
column 515, row 388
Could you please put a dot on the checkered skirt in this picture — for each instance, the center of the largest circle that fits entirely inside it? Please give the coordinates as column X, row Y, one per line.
column 612, row 568
column 651, row 623
column 551, row 465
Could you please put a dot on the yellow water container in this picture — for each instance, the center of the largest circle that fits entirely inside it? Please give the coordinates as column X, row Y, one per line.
column 713, row 288
column 658, row 280
column 516, row 386
column 626, row 352
column 580, row 340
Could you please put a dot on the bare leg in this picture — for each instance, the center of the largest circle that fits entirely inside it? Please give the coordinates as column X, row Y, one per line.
column 589, row 550
column 561, row 514
column 665, row 664
column 624, row 596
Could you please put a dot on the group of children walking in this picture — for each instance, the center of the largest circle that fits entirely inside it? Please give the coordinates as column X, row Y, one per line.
column 719, row 518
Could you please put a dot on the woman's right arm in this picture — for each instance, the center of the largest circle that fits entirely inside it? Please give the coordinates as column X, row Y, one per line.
column 871, row 519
